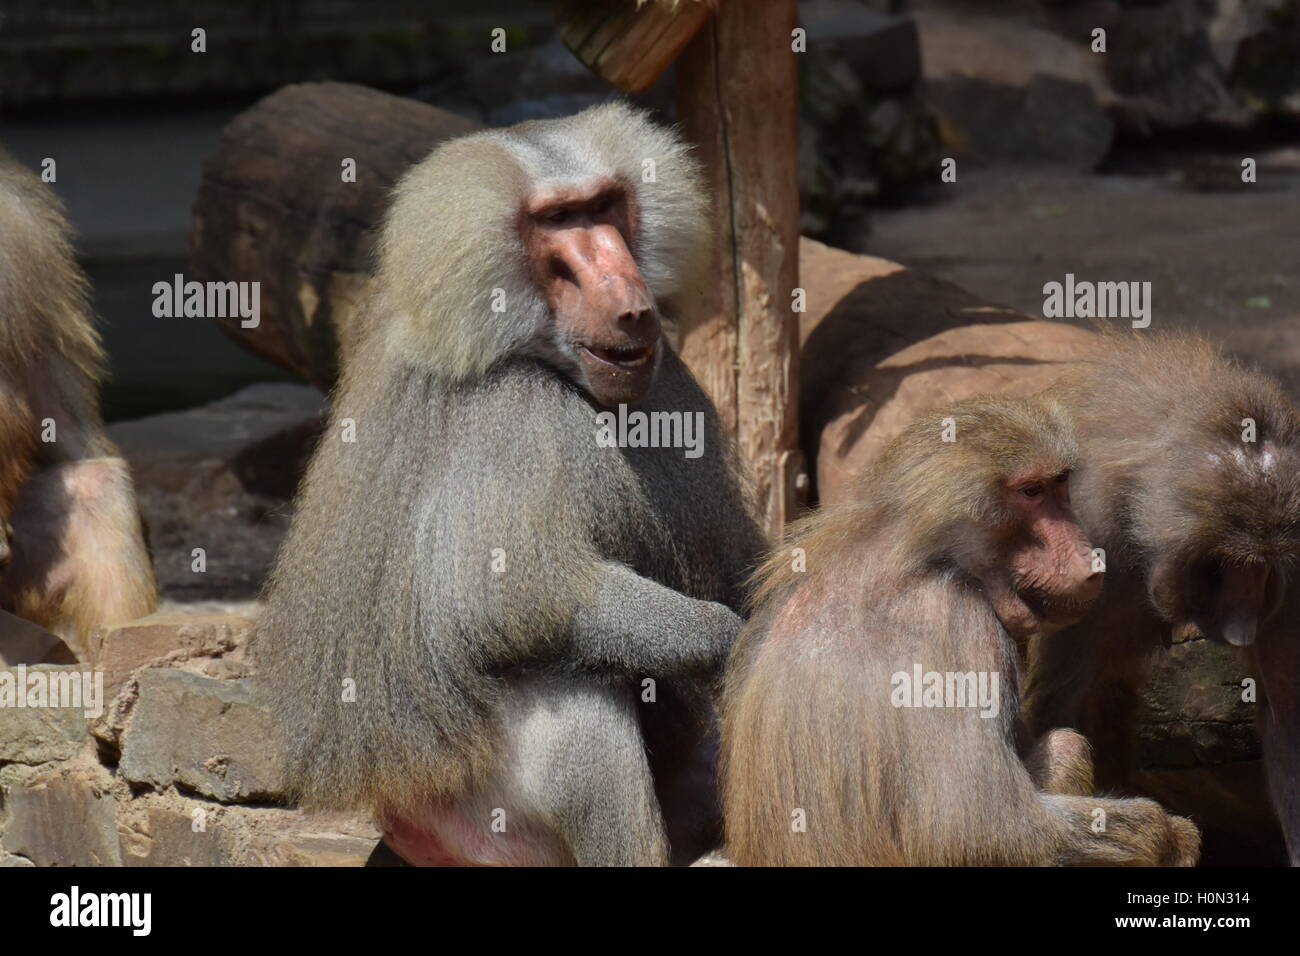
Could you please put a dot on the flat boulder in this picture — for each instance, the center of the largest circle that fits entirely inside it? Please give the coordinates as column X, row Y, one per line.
column 1015, row 358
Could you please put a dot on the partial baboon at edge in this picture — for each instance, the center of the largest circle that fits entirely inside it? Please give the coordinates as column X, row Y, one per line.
column 69, row 525
column 474, row 593
column 1201, row 530
column 949, row 557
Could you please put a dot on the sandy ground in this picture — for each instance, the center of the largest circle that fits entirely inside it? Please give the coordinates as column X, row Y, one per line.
column 1227, row 262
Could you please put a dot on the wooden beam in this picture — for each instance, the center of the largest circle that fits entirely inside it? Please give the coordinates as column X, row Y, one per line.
column 629, row 43
column 737, row 99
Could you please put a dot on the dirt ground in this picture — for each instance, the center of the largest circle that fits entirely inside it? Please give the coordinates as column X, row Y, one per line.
column 1226, row 262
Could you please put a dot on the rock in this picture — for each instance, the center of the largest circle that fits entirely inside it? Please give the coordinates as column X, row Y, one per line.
column 863, row 128
column 1016, row 358
column 13, row 776
column 22, row 642
column 1007, row 48
column 1194, row 714
column 297, row 838
column 1009, row 89
column 1198, row 753
column 159, row 829
column 221, row 430
column 63, row 818
column 220, row 478
column 1165, row 66
column 225, row 669
column 1234, row 21
column 203, row 735
column 1048, row 121
column 1161, row 62
column 35, row 735
column 161, row 832
column 1265, row 65
column 860, row 310
column 167, row 635
column 883, row 51
column 311, row 849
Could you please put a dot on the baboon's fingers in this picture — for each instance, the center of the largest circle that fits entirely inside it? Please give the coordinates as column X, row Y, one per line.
column 1184, row 845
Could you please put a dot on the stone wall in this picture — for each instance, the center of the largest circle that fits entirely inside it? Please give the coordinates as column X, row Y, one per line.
column 180, row 768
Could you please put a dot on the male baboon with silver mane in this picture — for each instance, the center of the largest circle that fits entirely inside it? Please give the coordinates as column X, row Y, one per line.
column 487, row 626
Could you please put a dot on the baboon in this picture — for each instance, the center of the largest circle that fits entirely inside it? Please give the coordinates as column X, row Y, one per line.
column 69, row 526
column 486, row 624
column 950, row 555
column 1189, row 480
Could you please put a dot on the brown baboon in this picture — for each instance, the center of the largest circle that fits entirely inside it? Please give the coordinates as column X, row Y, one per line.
column 488, row 624
column 69, row 525
column 1189, row 480
column 870, row 714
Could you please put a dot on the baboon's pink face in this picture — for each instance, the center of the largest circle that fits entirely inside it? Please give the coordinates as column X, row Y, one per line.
column 578, row 241
column 1043, row 576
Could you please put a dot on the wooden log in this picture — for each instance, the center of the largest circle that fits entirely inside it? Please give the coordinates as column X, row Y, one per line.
column 629, row 43
column 273, row 206
column 738, row 100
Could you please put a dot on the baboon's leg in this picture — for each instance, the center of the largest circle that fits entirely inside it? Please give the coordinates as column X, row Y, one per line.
column 1061, row 762
column 572, row 785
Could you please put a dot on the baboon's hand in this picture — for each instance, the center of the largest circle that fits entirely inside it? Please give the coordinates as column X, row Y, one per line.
column 1151, row 836
column 1184, row 843
column 1135, row 832
column 719, row 626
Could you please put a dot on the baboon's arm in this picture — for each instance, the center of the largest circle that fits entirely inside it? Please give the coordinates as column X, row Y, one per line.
column 638, row 627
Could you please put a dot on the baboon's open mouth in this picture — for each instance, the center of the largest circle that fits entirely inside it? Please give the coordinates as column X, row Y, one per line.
column 631, row 356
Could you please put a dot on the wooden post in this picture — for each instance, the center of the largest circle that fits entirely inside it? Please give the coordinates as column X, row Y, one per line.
column 737, row 98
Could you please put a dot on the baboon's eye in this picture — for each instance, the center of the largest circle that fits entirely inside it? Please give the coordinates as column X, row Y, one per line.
column 556, row 217
column 1032, row 492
